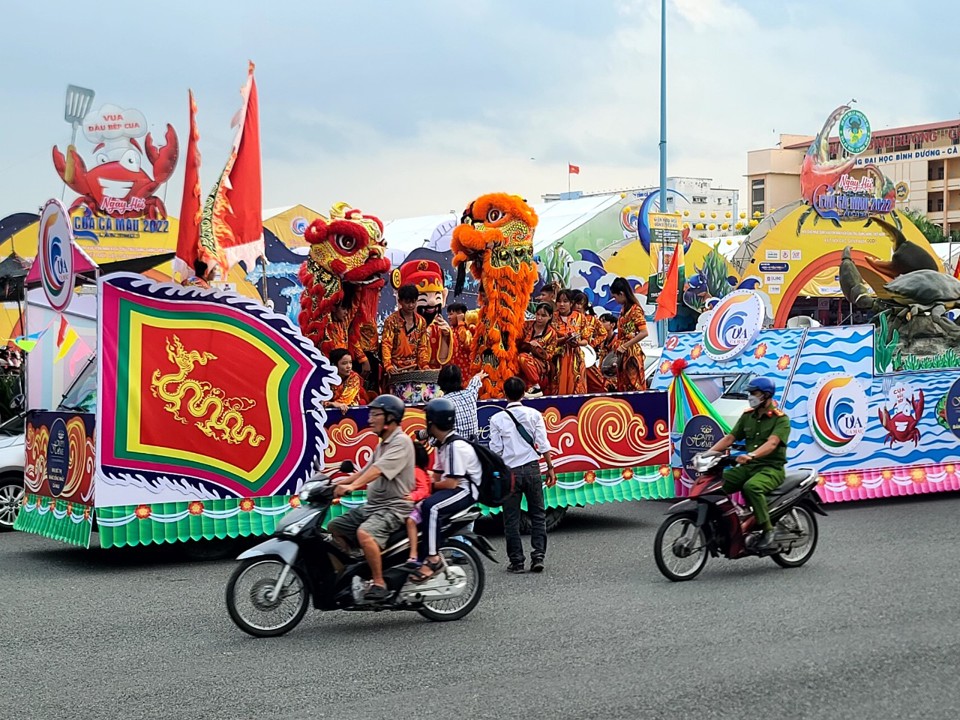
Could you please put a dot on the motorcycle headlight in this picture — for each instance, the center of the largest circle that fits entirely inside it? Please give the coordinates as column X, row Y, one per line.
column 309, row 490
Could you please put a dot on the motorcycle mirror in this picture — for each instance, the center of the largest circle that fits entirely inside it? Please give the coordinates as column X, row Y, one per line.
column 347, row 466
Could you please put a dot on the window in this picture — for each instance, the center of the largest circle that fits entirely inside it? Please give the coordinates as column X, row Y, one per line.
column 757, row 196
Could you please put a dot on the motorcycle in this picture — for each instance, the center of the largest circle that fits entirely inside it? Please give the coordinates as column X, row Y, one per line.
column 269, row 592
column 710, row 522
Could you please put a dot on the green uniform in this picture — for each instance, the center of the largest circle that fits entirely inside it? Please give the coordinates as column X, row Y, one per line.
column 758, row 477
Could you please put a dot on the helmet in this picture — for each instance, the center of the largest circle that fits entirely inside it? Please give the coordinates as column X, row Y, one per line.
column 391, row 406
column 442, row 413
column 762, row 384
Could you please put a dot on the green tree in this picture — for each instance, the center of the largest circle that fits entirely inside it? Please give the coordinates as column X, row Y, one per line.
column 931, row 231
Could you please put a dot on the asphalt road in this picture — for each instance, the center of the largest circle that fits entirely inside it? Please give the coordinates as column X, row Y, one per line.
column 868, row 629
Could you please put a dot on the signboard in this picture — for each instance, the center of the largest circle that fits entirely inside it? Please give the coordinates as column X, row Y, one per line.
column 732, row 325
column 55, row 255
column 666, row 230
column 953, row 408
column 837, row 410
column 60, row 456
column 118, row 178
column 701, row 433
column 854, row 132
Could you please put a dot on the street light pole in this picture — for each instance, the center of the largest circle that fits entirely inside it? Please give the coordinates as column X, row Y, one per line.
column 662, row 325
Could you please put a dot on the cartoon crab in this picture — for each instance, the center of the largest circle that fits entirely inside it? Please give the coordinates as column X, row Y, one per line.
column 117, row 183
column 902, row 425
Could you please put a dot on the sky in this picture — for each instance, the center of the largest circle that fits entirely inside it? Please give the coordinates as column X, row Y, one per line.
column 417, row 107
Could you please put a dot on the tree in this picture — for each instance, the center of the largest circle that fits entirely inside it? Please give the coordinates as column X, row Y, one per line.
column 931, row 231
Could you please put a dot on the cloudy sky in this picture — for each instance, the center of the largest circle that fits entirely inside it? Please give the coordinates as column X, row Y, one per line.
column 413, row 108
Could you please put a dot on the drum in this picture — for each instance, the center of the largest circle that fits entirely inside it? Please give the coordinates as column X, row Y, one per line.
column 609, row 365
column 589, row 357
column 415, row 387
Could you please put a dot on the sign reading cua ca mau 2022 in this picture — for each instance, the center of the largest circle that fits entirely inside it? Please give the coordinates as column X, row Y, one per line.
column 202, row 395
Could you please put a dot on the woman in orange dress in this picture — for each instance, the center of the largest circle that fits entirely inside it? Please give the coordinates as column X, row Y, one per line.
column 349, row 391
column 573, row 333
column 538, row 348
column 598, row 336
column 631, row 329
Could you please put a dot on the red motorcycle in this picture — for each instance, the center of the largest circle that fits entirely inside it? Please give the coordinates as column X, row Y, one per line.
column 710, row 522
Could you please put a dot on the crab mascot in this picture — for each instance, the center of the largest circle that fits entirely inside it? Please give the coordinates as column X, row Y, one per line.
column 342, row 278
column 427, row 277
column 495, row 237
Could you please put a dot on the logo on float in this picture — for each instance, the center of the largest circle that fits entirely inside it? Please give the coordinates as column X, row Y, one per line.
column 854, row 132
column 629, row 215
column 837, row 410
column 299, row 226
column 55, row 255
column 733, row 325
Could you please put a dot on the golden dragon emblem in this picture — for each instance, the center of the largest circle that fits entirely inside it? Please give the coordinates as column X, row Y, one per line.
column 225, row 421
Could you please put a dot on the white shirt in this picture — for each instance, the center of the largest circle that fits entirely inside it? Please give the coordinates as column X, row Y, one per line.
column 456, row 459
column 507, row 442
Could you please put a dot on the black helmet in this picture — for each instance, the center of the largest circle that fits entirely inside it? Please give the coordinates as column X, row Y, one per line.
column 391, row 406
column 442, row 413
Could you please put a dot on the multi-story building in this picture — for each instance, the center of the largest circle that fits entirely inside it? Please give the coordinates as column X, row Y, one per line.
column 922, row 160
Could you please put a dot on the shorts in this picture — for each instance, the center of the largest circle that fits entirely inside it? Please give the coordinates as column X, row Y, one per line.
column 415, row 514
column 379, row 524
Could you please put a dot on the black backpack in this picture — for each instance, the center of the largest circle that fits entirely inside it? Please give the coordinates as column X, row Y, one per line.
column 496, row 479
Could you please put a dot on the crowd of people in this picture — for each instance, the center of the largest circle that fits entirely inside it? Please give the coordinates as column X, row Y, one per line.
column 566, row 348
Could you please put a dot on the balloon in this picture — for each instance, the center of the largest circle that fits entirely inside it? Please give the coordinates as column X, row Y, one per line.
column 728, row 215
column 702, row 214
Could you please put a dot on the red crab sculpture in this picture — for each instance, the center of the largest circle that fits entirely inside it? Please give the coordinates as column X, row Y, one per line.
column 902, row 427
column 122, row 188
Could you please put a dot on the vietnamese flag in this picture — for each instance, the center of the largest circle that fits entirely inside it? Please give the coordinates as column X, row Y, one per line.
column 667, row 300
column 188, row 236
column 573, row 169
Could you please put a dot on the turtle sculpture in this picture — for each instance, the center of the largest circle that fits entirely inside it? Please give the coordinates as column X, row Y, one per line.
column 915, row 301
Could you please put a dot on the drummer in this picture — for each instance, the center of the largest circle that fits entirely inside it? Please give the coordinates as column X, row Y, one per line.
column 598, row 335
column 572, row 330
column 404, row 342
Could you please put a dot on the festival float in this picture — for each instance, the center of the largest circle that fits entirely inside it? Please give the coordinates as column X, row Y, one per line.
column 876, row 408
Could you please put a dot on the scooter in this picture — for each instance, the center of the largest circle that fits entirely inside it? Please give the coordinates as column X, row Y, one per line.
column 269, row 592
column 710, row 522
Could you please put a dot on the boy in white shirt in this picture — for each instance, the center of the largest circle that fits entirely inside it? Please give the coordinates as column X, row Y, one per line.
column 519, row 435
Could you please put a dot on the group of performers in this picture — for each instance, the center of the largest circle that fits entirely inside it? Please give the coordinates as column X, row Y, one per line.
column 566, row 349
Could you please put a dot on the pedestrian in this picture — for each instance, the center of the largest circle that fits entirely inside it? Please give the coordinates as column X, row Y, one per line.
column 519, row 435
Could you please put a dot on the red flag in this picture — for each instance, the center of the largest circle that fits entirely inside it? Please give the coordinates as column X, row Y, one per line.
column 573, row 169
column 232, row 228
column 190, row 206
column 667, row 300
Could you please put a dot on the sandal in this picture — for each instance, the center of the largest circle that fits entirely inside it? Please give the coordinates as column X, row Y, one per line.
column 419, row 576
column 412, row 565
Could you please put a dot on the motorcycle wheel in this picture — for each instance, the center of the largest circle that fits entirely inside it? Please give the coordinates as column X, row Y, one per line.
column 801, row 552
column 680, row 548
column 470, row 562
column 248, row 600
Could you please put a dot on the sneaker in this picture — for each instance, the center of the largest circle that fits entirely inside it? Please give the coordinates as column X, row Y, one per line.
column 515, row 568
column 374, row 593
column 536, row 565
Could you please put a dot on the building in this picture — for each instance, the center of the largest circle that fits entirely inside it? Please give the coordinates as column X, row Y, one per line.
column 922, row 160
column 694, row 198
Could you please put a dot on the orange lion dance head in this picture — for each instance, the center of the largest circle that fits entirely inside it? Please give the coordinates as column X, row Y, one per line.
column 496, row 238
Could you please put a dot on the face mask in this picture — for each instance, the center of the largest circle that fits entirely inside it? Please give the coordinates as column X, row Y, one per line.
column 754, row 401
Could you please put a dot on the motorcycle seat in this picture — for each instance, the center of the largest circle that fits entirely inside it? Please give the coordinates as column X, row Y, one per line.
column 792, row 481
column 400, row 534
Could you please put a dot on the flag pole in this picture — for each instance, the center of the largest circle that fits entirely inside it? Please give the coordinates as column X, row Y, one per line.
column 662, row 326
column 568, row 179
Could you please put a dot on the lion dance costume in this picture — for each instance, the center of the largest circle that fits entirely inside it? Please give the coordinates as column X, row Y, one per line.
column 496, row 238
column 345, row 267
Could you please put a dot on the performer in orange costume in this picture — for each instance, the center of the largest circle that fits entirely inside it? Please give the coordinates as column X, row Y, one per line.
column 404, row 343
column 427, row 277
column 496, row 238
column 631, row 329
column 462, row 338
column 574, row 333
column 538, row 349
column 349, row 391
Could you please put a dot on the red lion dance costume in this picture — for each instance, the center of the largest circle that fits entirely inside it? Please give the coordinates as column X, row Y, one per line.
column 496, row 237
column 345, row 267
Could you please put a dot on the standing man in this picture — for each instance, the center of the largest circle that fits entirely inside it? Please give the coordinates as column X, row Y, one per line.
column 389, row 479
column 519, row 436
column 766, row 430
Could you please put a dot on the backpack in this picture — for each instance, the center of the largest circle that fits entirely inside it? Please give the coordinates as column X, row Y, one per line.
column 496, row 479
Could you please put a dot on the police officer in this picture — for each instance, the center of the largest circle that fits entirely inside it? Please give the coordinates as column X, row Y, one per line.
column 766, row 430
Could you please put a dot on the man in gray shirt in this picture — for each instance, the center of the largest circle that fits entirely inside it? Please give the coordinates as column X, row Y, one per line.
column 389, row 479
